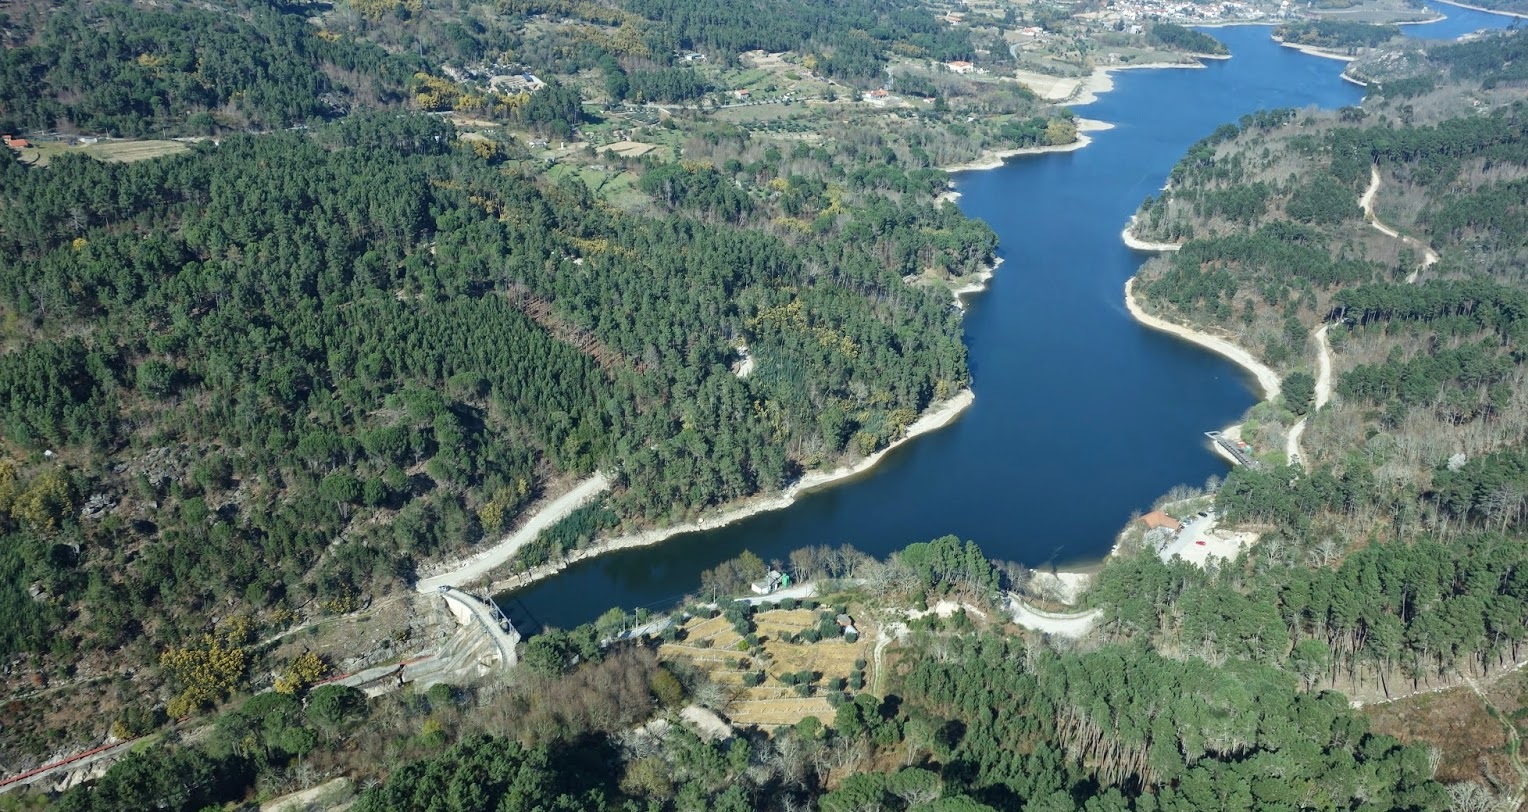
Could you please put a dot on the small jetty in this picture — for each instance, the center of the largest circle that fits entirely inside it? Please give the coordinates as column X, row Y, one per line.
column 1239, row 450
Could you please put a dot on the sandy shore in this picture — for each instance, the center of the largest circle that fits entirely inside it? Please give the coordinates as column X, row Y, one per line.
column 1100, row 82
column 1486, row 10
column 935, row 417
column 1047, row 87
column 1312, row 50
column 1346, row 78
column 1266, row 377
column 992, row 159
column 1137, row 244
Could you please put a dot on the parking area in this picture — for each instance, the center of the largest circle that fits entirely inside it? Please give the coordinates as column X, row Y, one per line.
column 1201, row 539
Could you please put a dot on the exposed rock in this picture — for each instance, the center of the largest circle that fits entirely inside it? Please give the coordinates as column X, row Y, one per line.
column 97, row 506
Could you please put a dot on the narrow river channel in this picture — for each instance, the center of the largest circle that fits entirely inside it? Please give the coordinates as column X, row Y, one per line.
column 1081, row 415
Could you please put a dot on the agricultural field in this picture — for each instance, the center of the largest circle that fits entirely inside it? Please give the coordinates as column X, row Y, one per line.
column 614, row 186
column 714, row 645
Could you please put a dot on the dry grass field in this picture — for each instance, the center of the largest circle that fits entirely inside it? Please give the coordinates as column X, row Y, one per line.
column 115, row 151
column 773, row 703
column 1472, row 741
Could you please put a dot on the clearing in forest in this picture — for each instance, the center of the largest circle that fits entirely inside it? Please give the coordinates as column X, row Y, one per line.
column 712, row 644
column 1472, row 744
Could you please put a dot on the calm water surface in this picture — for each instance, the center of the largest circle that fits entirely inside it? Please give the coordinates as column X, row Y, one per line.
column 1081, row 415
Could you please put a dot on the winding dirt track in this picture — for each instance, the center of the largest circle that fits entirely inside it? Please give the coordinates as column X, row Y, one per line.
column 1429, row 256
column 1323, row 347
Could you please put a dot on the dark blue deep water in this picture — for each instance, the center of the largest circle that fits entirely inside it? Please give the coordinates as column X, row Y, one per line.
column 1081, row 415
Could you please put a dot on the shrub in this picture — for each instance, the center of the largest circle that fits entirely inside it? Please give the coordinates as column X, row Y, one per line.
column 788, row 603
column 859, row 665
column 442, row 694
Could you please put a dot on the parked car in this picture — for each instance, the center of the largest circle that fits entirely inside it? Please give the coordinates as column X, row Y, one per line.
column 1201, row 543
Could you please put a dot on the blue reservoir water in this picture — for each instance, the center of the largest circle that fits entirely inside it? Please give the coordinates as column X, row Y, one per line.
column 1458, row 22
column 1081, row 415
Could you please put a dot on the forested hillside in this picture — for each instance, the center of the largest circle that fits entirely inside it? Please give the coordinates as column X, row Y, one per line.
column 113, row 69
column 1389, row 557
column 968, row 717
column 1335, row 34
column 324, row 332
column 437, row 261
column 105, row 67
column 377, row 314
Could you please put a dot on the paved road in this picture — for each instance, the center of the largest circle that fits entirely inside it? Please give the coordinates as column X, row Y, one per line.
column 499, row 554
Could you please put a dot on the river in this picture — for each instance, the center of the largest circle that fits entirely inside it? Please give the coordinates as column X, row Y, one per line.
column 1082, row 416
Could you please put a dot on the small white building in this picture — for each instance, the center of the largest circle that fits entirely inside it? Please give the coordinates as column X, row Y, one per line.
column 960, row 66
column 775, row 580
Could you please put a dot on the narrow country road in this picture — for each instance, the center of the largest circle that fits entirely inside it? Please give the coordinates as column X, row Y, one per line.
column 1429, row 256
column 1074, row 625
column 1292, row 448
column 499, row 554
column 78, row 761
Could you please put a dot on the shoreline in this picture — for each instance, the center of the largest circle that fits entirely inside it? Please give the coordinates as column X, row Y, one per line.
column 1267, row 379
column 484, row 561
column 1316, row 51
column 994, row 159
column 1100, row 82
column 977, row 285
column 1346, row 78
column 1135, row 243
column 1518, row 15
column 1438, row 19
column 936, row 417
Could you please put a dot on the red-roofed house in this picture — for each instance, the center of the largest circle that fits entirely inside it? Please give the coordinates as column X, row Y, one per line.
column 1157, row 518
